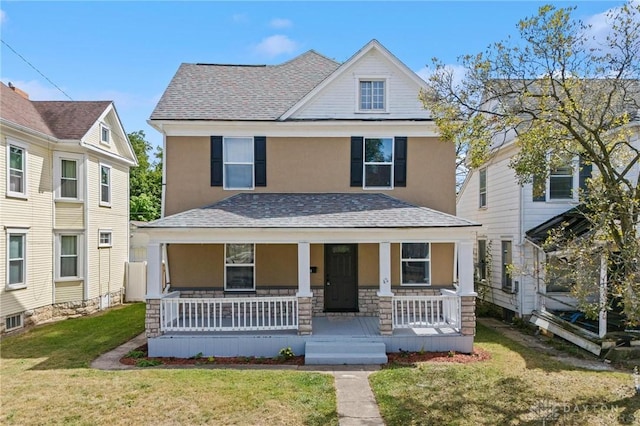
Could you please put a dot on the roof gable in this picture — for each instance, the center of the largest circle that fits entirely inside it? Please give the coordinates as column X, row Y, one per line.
column 241, row 92
column 373, row 60
column 120, row 144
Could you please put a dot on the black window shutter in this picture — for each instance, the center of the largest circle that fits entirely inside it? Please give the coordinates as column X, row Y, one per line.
column 356, row 160
column 585, row 173
column 260, row 160
column 216, row 160
column 400, row 161
column 539, row 189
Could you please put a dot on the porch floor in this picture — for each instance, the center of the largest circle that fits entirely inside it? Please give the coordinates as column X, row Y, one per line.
column 330, row 326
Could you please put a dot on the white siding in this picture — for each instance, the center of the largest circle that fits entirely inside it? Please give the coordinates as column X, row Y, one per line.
column 34, row 213
column 339, row 98
column 500, row 221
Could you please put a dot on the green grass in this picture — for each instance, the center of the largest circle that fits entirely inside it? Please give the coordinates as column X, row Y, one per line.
column 45, row 368
column 517, row 386
column 74, row 343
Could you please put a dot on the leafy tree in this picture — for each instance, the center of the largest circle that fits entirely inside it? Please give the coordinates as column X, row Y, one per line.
column 145, row 180
column 560, row 91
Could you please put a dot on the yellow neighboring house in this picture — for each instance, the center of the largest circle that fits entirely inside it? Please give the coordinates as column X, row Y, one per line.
column 64, row 208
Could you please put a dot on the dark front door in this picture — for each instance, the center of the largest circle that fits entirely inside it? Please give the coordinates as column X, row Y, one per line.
column 341, row 277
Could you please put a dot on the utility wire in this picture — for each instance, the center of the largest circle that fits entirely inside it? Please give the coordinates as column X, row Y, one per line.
column 37, row 70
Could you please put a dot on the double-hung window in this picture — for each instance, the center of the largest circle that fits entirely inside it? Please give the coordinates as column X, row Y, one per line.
column 68, row 256
column 16, row 258
column 378, row 162
column 105, row 185
column 482, row 260
column 239, row 267
column 68, row 175
column 372, row 95
column 483, row 188
column 16, row 170
column 561, row 182
column 238, row 163
column 416, row 264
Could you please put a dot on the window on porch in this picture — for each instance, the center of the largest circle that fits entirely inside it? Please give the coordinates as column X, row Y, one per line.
column 416, row 264
column 239, row 267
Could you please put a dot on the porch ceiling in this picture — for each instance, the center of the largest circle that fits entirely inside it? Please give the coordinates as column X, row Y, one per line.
column 307, row 210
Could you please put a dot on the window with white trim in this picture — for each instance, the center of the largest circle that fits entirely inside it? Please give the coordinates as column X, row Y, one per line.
column 482, row 266
column 239, row 267
column 105, row 185
column 483, row 188
column 416, row 263
column 16, row 170
column 16, row 258
column 378, row 163
column 68, row 256
column 104, row 238
column 68, row 172
column 372, row 95
column 105, row 134
column 562, row 181
column 238, row 160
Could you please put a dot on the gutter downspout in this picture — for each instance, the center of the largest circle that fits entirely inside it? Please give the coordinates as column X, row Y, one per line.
column 167, row 277
column 521, row 287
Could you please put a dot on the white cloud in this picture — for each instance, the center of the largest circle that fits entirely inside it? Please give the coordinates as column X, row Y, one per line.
column 280, row 23
column 240, row 18
column 458, row 73
column 38, row 91
column 276, row 45
column 3, row 16
column 600, row 26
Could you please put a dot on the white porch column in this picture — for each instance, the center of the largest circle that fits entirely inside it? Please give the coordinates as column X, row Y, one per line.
column 154, row 271
column 602, row 324
column 304, row 273
column 384, row 252
column 465, row 268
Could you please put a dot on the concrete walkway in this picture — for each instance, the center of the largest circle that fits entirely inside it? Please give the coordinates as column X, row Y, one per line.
column 356, row 403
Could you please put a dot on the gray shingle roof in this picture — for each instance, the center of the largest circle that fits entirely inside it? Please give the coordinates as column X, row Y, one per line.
column 304, row 210
column 241, row 92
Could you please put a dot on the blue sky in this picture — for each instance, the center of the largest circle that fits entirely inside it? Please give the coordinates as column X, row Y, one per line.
column 128, row 51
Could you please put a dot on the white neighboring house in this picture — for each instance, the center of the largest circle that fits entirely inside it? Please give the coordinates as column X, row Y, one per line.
column 64, row 207
column 492, row 196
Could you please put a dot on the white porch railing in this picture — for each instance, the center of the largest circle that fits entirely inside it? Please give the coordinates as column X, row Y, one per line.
column 229, row 314
column 426, row 311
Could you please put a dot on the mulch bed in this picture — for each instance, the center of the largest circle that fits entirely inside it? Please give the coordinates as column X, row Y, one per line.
column 403, row 358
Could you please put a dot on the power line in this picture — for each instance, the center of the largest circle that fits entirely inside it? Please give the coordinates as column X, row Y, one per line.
column 37, row 70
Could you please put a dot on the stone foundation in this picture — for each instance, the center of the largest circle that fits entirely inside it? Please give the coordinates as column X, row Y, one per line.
column 152, row 318
column 61, row 311
column 385, row 307
column 305, row 316
column 468, row 315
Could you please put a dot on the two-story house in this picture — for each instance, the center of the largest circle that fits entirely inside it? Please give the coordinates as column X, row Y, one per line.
column 516, row 220
column 308, row 205
column 64, row 208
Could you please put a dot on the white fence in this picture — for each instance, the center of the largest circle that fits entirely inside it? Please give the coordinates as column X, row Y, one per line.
column 426, row 311
column 228, row 314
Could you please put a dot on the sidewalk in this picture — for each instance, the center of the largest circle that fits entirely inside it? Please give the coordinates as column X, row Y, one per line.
column 356, row 403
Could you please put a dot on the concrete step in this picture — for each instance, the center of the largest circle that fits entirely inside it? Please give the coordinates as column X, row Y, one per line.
column 346, row 352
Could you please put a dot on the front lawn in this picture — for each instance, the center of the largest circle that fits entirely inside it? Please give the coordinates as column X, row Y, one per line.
column 516, row 386
column 44, row 381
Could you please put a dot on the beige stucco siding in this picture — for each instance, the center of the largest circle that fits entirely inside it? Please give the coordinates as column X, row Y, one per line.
column 35, row 214
column 309, row 165
column 316, row 257
column 69, row 215
column 368, row 265
column 106, row 266
column 276, row 265
column 196, row 265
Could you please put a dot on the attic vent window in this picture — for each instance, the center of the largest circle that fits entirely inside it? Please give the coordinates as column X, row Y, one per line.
column 105, row 134
column 372, row 95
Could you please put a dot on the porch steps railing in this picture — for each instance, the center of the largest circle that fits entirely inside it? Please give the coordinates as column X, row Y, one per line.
column 228, row 314
column 426, row 311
